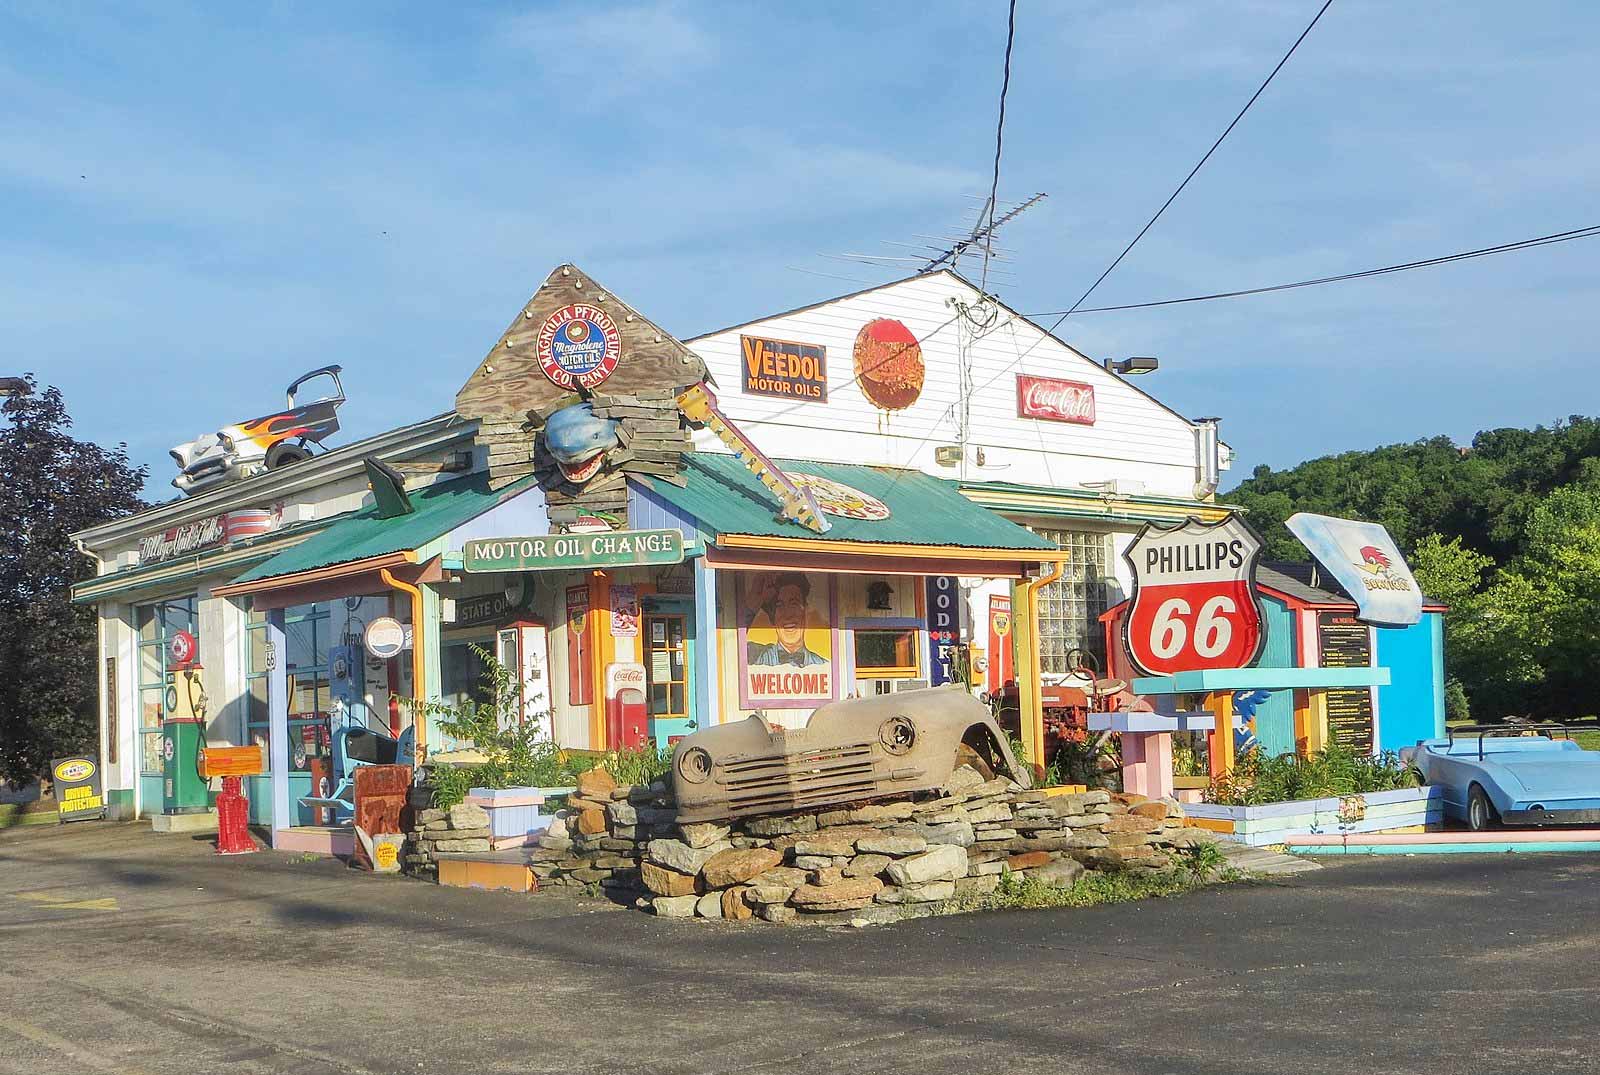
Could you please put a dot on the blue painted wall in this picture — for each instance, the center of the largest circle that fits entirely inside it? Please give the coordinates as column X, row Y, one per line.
column 1411, row 707
column 1275, row 716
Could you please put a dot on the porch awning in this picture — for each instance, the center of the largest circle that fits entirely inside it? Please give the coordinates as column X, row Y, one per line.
column 364, row 541
column 929, row 522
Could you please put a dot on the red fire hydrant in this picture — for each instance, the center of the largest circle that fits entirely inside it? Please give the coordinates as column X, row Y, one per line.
column 233, row 820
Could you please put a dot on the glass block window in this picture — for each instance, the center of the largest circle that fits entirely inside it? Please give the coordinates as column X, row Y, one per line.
column 1070, row 608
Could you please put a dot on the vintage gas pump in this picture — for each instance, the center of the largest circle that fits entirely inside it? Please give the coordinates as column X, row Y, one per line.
column 183, row 789
column 627, row 716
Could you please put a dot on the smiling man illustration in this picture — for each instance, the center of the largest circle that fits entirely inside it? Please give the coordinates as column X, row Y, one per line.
column 786, row 598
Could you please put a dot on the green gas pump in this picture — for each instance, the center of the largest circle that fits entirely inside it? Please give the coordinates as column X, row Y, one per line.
column 183, row 790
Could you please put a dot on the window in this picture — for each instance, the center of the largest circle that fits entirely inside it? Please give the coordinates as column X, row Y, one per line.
column 307, row 635
column 1070, row 608
column 886, row 653
column 156, row 625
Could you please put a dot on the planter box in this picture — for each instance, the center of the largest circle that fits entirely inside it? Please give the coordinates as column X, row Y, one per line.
column 514, row 813
column 1378, row 811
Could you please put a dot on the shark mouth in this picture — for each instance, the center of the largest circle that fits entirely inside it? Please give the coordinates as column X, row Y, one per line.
column 578, row 473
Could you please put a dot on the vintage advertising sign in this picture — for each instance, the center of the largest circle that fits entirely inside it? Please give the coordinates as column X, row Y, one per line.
column 612, row 548
column 182, row 649
column 385, row 637
column 580, row 656
column 189, row 537
column 624, row 612
column 943, row 599
column 77, row 784
column 888, row 363
column 784, row 369
column 786, row 640
column 837, row 498
column 1194, row 597
column 579, row 346
column 1367, row 563
column 1001, row 668
column 1055, row 400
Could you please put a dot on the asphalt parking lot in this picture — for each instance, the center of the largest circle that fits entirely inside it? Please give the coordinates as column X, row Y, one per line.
column 125, row 951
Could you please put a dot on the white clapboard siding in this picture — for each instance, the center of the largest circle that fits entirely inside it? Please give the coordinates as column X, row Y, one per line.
column 1133, row 437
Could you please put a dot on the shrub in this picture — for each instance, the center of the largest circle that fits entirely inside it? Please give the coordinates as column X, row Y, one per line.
column 1258, row 778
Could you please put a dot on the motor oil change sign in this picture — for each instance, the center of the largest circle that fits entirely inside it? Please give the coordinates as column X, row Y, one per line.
column 77, row 785
column 1194, row 597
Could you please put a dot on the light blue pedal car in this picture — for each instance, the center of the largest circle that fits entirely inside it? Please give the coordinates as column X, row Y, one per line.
column 1512, row 774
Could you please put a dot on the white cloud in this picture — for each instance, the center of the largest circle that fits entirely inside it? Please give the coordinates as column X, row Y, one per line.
column 615, row 50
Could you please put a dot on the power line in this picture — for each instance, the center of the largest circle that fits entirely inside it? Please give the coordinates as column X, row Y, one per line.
column 1444, row 259
column 1195, row 170
column 1050, row 332
column 999, row 141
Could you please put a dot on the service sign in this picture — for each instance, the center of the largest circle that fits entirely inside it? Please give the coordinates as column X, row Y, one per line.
column 943, row 599
column 1055, row 400
column 1194, row 597
column 1367, row 563
column 784, row 369
column 579, row 346
column 612, row 548
column 77, row 785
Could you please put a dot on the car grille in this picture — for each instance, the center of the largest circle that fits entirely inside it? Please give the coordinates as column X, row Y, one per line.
column 777, row 782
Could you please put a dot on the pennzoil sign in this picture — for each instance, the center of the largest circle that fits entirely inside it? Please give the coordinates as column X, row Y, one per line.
column 1194, row 597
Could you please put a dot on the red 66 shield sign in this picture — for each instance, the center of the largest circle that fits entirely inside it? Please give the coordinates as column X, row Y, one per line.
column 1194, row 597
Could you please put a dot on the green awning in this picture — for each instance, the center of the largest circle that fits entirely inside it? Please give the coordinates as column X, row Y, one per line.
column 725, row 498
column 365, row 535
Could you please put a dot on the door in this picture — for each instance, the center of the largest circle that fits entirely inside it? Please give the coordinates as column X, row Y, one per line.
column 666, row 662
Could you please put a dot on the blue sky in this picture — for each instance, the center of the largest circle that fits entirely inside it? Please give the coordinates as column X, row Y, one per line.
column 202, row 201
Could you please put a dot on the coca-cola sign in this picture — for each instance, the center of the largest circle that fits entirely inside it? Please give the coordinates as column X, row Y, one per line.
column 1055, row 400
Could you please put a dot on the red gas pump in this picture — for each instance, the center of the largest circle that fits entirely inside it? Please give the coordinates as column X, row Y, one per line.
column 627, row 716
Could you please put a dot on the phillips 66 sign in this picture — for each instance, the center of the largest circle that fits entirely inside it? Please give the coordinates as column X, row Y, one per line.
column 1194, row 597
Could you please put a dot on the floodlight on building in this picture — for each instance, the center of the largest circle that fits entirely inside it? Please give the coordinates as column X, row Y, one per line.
column 1130, row 367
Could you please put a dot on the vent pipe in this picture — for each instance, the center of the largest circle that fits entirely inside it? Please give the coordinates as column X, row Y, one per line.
column 1208, row 458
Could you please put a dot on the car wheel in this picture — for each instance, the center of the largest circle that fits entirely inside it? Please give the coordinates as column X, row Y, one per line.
column 1480, row 811
column 281, row 455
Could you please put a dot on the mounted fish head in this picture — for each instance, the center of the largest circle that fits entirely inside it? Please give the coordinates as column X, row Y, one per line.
column 578, row 441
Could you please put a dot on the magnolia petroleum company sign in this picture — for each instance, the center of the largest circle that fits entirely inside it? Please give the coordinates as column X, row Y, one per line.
column 1194, row 597
column 579, row 346
column 1055, row 400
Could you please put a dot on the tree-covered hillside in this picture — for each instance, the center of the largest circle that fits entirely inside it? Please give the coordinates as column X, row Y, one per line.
column 1506, row 530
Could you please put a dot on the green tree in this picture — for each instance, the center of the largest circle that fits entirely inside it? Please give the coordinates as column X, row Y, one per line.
column 54, row 485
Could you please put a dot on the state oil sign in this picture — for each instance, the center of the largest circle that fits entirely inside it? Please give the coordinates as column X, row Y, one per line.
column 77, row 786
column 1194, row 597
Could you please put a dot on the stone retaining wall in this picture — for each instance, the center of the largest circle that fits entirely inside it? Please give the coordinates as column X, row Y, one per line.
column 463, row 827
column 882, row 860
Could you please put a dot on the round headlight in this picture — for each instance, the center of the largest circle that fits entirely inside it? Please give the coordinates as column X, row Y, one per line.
column 694, row 765
column 897, row 734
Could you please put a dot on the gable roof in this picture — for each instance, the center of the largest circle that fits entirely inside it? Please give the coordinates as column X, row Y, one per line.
column 962, row 280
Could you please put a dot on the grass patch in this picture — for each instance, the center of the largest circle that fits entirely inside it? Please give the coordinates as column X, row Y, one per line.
column 1587, row 740
column 1019, row 892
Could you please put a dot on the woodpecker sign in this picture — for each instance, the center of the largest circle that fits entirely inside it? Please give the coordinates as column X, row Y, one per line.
column 1194, row 597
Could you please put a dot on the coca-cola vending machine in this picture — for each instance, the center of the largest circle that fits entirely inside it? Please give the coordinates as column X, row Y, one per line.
column 627, row 717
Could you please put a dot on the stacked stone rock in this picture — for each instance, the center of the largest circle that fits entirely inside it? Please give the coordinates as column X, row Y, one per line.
column 601, row 835
column 463, row 827
column 884, row 859
column 881, row 860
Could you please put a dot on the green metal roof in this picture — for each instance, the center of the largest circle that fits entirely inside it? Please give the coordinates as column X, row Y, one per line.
column 363, row 534
column 726, row 498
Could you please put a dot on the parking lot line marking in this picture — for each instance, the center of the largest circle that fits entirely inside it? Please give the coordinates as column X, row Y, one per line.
column 55, row 899
column 40, row 1036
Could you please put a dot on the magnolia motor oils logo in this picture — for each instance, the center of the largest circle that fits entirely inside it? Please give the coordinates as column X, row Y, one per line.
column 73, row 771
column 579, row 346
column 1378, row 570
column 1194, row 597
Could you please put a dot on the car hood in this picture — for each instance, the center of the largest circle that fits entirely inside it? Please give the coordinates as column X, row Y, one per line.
column 1573, row 774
